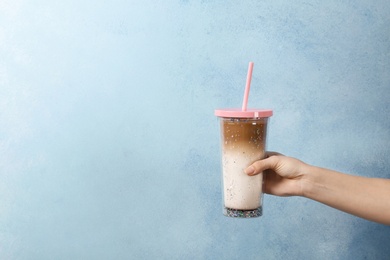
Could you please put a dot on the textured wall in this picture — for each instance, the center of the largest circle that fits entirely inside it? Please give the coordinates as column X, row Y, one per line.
column 109, row 148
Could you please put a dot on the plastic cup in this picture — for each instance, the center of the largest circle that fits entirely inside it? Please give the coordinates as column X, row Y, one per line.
column 243, row 141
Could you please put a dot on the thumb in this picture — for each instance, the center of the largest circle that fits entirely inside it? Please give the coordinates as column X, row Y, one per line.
column 261, row 165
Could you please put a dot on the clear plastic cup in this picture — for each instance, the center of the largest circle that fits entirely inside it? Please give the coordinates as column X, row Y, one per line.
column 243, row 141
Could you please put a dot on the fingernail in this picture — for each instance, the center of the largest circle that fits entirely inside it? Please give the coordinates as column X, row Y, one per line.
column 250, row 170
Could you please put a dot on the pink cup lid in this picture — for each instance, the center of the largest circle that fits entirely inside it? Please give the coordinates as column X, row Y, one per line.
column 238, row 113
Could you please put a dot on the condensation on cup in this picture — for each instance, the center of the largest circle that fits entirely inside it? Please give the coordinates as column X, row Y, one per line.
column 243, row 141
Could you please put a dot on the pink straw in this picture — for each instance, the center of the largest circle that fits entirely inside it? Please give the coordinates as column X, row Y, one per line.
column 247, row 86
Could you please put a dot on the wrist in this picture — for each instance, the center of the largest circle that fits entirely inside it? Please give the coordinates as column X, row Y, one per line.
column 309, row 178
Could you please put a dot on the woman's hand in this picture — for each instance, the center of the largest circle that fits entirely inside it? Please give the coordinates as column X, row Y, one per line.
column 283, row 175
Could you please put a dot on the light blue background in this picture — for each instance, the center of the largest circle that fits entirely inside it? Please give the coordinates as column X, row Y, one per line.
column 109, row 148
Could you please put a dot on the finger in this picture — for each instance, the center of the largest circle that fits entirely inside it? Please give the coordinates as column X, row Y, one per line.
column 261, row 165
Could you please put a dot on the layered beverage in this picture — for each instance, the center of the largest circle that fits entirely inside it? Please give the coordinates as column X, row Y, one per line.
column 243, row 141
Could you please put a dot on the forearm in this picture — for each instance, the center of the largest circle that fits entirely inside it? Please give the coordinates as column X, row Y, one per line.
column 368, row 198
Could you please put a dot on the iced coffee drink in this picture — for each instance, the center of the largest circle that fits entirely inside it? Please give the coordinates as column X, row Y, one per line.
column 243, row 140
